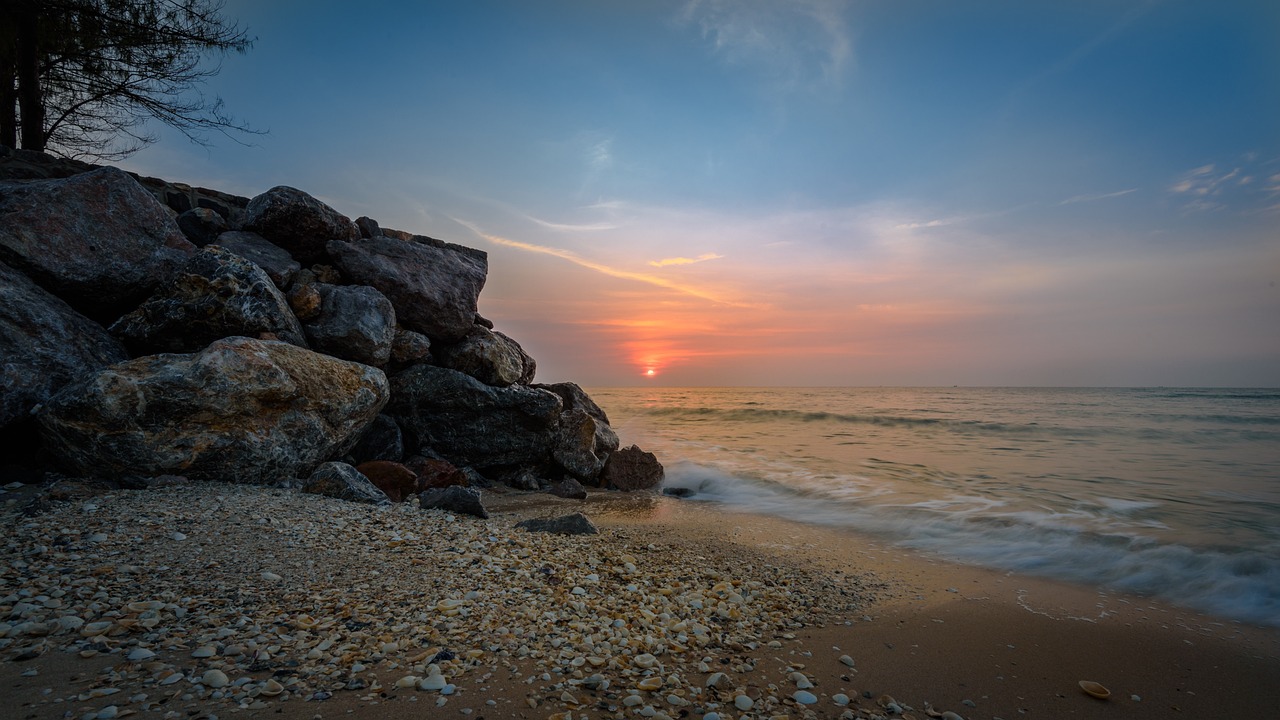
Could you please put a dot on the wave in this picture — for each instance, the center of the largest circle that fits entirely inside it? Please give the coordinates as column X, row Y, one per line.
column 1243, row 584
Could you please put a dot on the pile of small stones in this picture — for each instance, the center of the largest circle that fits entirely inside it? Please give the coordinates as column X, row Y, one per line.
column 242, row 597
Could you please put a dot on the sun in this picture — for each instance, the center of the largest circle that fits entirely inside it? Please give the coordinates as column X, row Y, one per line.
column 649, row 373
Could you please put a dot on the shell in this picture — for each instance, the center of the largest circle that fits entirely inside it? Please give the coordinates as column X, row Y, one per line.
column 1095, row 689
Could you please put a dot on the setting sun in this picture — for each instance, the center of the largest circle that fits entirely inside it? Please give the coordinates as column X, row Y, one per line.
column 649, row 372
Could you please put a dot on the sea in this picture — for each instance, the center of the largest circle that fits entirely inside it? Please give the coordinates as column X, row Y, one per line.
column 1172, row 493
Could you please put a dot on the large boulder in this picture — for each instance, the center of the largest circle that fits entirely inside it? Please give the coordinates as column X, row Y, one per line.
column 392, row 478
column 571, row 524
column 455, row 499
column 632, row 469
column 381, row 441
column 216, row 294
column 275, row 260
column 490, row 357
column 297, row 222
column 469, row 423
column 44, row 345
column 202, row 225
column 575, row 445
column 575, row 398
column 434, row 285
column 354, row 323
column 97, row 240
column 241, row 410
column 340, row 480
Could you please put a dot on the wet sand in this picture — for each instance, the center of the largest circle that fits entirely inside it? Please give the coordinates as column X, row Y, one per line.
column 934, row 636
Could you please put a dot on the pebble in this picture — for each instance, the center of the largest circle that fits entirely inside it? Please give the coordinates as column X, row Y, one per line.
column 214, row 678
column 804, row 697
column 846, row 660
column 744, row 703
column 840, row 699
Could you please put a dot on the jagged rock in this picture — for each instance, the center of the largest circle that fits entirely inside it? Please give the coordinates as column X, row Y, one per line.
column 44, row 345
column 433, row 285
column 304, row 301
column 202, row 225
column 241, row 410
column 340, row 480
column 275, row 260
column 464, row 500
column 368, row 227
column 632, row 469
column 354, row 323
column 490, row 357
column 381, row 441
column 297, row 222
column 97, row 240
column 678, row 492
column 569, row 489
column 434, row 473
column 392, row 478
column 575, row 445
column 410, row 348
column 571, row 524
column 573, row 396
column 216, row 294
column 523, row 479
column 469, row 423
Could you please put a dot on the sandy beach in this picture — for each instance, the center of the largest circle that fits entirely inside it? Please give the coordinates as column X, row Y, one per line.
column 220, row 601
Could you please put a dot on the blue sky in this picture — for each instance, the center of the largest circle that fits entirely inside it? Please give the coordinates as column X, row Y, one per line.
column 802, row 193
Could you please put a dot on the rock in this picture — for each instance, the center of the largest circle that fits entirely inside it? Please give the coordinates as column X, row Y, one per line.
column 354, row 323
column 202, row 225
column 241, row 410
column 274, row 260
column 469, row 423
column 304, row 301
column 490, row 357
column 574, row 448
column 434, row 286
column 410, row 348
column 297, row 222
column 632, row 469
column 381, row 441
column 572, row 524
column 523, row 479
column 97, row 240
column 392, row 478
column 216, row 294
column 368, row 227
column 574, row 397
column 44, row 345
column 678, row 492
column 340, row 480
column 434, row 473
column 455, row 499
column 570, row 489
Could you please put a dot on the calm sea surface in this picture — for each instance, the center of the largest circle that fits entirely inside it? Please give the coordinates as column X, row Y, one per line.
column 1167, row 492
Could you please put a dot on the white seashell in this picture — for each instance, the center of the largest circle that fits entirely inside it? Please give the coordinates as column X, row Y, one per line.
column 108, row 712
column 95, row 628
column 840, row 699
column 719, row 680
column 650, row 683
column 407, row 681
column 175, row 535
column 744, row 703
column 271, row 688
column 204, row 651
column 432, row 682
column 140, row 654
column 644, row 660
column 270, row 576
column 171, row 678
column 214, row 678
column 846, row 660
column 804, row 697
column 97, row 538
column 1095, row 689
column 144, row 606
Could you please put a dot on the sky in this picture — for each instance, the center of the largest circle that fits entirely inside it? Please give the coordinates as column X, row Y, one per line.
column 800, row 192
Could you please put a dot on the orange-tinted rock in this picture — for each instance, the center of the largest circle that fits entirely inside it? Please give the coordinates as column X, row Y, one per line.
column 436, row 473
column 392, row 478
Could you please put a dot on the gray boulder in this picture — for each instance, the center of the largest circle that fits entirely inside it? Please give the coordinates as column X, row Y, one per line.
column 381, row 441
column 456, row 499
column 469, row 423
column 632, row 469
column 569, row 489
column 355, row 323
column 434, row 286
column 44, row 345
column 202, row 225
column 297, row 222
column 340, row 480
column 217, row 294
column 410, row 348
column 490, row 357
column 241, row 410
column 97, row 240
column 571, row 524
column 575, row 398
column 275, row 260
column 575, row 443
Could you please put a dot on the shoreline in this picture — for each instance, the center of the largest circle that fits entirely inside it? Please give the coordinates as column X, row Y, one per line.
column 917, row 629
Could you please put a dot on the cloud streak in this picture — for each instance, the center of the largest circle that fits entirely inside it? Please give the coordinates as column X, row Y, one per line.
column 1093, row 197
column 684, row 260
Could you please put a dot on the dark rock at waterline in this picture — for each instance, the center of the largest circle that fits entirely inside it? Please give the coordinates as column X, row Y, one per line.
column 569, row 489
column 632, row 469
column 572, row 524
column 456, row 499
column 97, row 240
column 216, row 294
column 297, row 222
column 44, row 345
column 240, row 410
column 678, row 492
column 340, row 480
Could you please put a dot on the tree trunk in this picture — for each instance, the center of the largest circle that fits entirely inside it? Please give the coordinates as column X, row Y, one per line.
column 30, row 98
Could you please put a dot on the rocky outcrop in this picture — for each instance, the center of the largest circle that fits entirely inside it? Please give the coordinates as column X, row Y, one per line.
column 97, row 240
column 354, row 322
column 274, row 260
column 340, row 480
column 575, row 398
column 490, row 357
column 434, row 286
column 632, row 469
column 44, row 345
column 297, row 222
column 469, row 423
column 241, row 410
column 217, row 294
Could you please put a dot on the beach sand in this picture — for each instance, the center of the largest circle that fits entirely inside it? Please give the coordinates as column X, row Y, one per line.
column 932, row 635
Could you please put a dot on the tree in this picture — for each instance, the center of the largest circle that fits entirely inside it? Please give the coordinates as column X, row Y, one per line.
column 82, row 78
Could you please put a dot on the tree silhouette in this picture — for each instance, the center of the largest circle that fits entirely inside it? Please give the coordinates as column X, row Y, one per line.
column 82, row 78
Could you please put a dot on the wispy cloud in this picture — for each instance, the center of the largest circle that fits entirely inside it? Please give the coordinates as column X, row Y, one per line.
column 576, row 259
column 802, row 43
column 1092, row 197
column 684, row 260
column 573, row 227
column 1210, row 187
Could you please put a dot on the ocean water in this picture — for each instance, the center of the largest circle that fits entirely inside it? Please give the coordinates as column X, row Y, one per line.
column 1172, row 493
